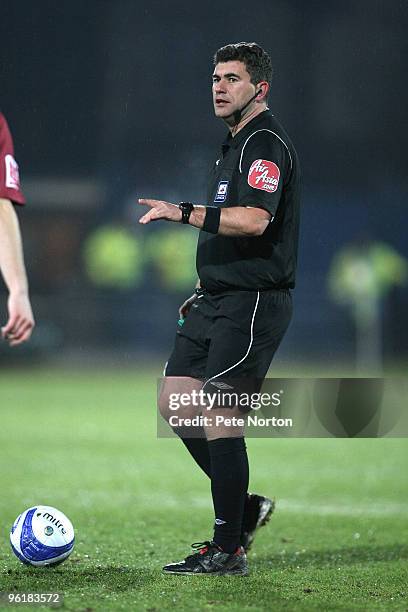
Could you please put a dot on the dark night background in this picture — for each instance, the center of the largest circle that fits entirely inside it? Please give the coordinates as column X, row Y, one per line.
column 117, row 95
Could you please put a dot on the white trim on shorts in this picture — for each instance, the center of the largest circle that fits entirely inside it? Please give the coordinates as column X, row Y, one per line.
column 249, row 347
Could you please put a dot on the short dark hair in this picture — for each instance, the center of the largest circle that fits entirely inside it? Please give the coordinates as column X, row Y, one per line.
column 256, row 60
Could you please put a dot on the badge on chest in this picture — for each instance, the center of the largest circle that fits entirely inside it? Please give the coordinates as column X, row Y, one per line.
column 222, row 191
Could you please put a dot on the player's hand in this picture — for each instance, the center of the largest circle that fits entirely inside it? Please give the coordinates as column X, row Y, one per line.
column 20, row 323
column 160, row 210
column 185, row 307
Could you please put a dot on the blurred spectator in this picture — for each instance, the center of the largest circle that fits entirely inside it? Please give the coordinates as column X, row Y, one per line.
column 360, row 276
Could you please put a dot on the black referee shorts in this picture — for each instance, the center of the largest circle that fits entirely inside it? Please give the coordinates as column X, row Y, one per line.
column 230, row 335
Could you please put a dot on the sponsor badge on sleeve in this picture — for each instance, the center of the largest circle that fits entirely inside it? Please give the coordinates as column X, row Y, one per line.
column 264, row 174
column 12, row 177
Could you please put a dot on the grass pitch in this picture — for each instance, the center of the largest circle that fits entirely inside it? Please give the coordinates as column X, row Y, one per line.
column 86, row 443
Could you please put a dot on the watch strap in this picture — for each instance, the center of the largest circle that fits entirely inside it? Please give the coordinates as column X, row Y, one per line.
column 186, row 210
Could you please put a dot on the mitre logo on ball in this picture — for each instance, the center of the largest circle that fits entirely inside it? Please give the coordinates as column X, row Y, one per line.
column 264, row 174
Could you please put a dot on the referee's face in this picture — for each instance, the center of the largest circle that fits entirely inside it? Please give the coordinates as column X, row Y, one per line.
column 232, row 88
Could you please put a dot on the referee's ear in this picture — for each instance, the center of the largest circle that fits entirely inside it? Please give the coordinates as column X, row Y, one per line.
column 262, row 91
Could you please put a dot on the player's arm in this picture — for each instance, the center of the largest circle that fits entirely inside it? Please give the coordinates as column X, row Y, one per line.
column 20, row 320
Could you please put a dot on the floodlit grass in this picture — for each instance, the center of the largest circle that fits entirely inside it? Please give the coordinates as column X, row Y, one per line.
column 86, row 443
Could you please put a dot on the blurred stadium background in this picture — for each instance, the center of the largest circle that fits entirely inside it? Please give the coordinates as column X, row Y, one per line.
column 109, row 101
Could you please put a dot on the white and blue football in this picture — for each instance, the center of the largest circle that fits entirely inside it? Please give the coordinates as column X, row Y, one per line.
column 42, row 535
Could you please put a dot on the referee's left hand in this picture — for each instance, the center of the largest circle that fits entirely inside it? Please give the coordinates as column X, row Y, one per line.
column 160, row 210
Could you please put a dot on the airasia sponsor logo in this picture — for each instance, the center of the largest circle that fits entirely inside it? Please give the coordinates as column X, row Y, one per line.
column 264, row 174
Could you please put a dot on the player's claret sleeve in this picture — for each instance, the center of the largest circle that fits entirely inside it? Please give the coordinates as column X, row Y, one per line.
column 9, row 172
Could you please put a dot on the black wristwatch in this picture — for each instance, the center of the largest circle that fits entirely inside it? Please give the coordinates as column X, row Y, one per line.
column 186, row 210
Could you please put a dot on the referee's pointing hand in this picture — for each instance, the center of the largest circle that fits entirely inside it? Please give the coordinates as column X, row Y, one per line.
column 159, row 210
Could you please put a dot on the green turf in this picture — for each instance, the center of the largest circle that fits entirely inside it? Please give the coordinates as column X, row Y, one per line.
column 86, row 443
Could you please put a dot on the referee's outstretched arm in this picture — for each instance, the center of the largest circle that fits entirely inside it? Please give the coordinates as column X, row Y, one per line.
column 232, row 221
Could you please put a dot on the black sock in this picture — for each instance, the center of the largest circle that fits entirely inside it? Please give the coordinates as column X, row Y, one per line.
column 229, row 484
column 198, row 449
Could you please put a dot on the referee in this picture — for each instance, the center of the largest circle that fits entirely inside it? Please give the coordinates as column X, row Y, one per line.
column 242, row 306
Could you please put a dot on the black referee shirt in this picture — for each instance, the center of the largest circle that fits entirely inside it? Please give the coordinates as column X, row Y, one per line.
column 259, row 168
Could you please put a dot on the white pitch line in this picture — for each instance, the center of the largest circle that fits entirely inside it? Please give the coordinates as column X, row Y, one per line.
column 367, row 508
column 374, row 509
